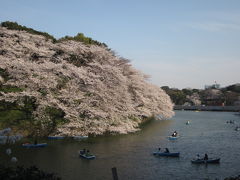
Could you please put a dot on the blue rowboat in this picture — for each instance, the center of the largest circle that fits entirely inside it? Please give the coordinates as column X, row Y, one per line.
column 167, row 154
column 86, row 156
column 27, row 145
column 202, row 161
column 56, row 137
column 89, row 156
column 173, row 137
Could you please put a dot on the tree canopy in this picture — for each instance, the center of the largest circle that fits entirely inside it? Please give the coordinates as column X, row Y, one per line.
column 16, row 26
column 80, row 37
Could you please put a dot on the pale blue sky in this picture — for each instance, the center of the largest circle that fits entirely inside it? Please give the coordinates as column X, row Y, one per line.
column 179, row 43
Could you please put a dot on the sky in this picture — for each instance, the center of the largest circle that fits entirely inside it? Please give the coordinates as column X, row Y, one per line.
column 180, row 44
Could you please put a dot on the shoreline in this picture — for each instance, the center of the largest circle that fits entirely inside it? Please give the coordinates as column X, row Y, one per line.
column 208, row 108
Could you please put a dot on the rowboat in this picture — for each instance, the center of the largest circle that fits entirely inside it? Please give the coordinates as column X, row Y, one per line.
column 202, row 161
column 166, row 154
column 27, row 145
column 89, row 156
column 56, row 137
column 79, row 137
column 173, row 137
column 86, row 155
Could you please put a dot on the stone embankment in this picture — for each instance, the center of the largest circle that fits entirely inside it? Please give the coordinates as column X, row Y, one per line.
column 208, row 108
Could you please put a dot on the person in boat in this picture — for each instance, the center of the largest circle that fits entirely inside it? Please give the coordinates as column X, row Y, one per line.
column 231, row 122
column 87, row 153
column 83, row 151
column 166, row 150
column 159, row 149
column 198, row 157
column 174, row 134
column 205, row 157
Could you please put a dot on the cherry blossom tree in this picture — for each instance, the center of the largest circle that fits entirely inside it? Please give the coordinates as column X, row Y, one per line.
column 98, row 91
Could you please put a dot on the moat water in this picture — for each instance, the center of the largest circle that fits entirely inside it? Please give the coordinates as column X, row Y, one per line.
column 207, row 132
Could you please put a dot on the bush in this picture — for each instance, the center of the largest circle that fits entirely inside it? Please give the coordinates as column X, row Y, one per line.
column 17, row 116
column 82, row 38
column 56, row 115
column 21, row 173
column 16, row 26
column 79, row 37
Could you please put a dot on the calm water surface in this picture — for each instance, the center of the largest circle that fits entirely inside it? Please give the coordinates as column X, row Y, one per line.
column 208, row 132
